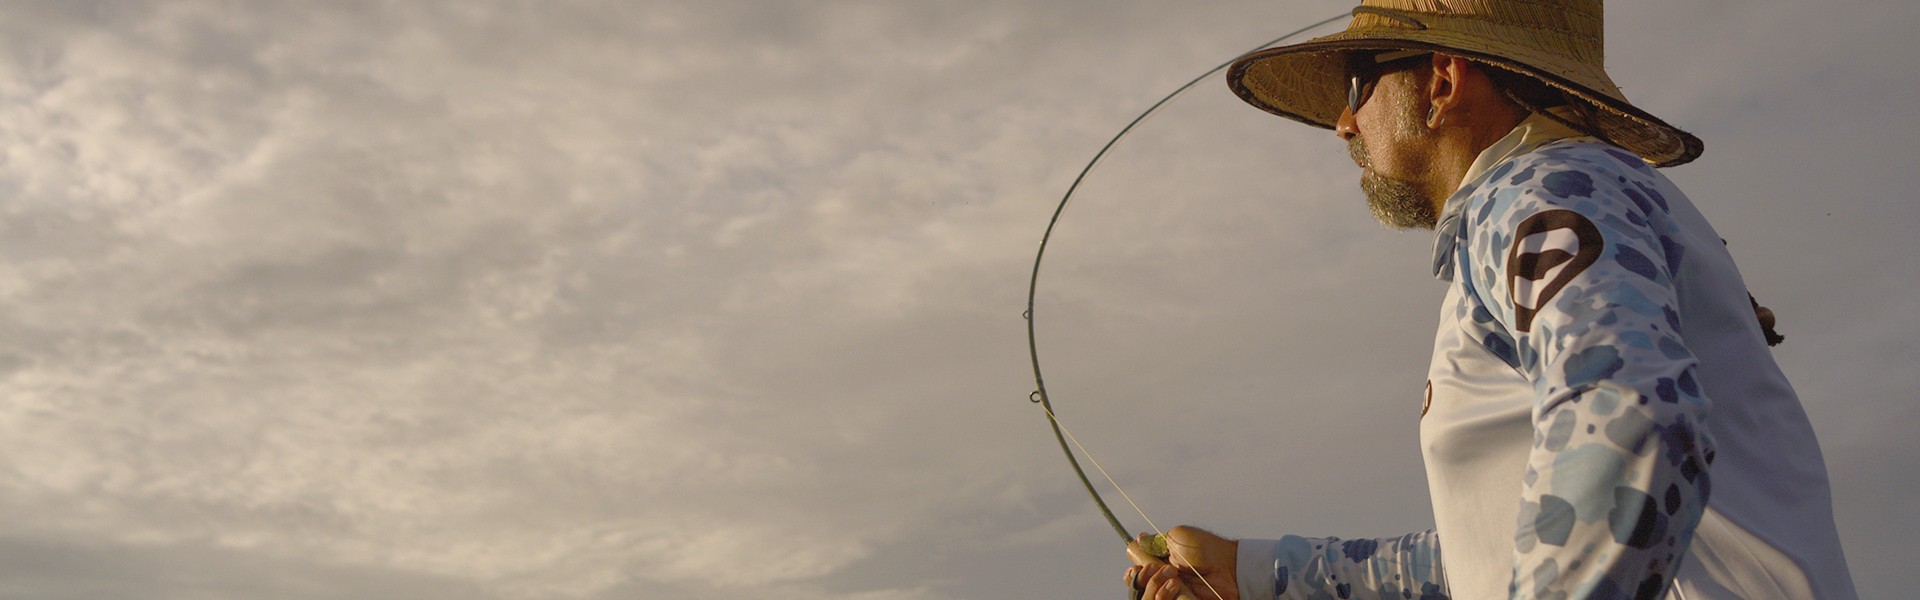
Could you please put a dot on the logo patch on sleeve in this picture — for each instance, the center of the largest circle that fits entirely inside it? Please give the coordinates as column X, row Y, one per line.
column 1549, row 250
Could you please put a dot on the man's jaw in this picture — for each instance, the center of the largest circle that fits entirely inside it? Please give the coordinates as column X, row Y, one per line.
column 1396, row 203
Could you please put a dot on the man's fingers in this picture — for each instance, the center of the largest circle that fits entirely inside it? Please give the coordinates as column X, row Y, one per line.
column 1164, row 583
column 1160, row 583
column 1186, row 547
column 1177, row 577
column 1191, row 537
column 1204, row 554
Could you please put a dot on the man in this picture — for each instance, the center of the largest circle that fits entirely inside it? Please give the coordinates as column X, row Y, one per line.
column 1603, row 418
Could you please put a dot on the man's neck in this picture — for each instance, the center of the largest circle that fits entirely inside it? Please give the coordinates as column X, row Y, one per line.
column 1455, row 151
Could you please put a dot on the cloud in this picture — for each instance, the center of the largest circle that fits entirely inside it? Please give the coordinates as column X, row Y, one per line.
column 723, row 300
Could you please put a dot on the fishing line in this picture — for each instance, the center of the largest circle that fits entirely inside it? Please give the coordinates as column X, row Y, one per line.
column 1123, row 495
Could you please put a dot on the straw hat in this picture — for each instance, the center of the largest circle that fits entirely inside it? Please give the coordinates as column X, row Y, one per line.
column 1558, row 42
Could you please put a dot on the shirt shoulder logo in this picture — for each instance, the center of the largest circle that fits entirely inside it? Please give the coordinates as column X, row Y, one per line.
column 1549, row 249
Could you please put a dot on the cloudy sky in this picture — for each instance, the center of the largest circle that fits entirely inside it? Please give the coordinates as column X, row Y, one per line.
column 677, row 299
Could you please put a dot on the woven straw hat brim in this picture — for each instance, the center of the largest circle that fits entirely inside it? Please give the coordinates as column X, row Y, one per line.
column 1307, row 82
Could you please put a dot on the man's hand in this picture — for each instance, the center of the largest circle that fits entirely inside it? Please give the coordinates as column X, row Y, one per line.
column 1202, row 564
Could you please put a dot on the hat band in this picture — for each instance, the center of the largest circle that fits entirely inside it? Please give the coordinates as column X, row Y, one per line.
column 1389, row 14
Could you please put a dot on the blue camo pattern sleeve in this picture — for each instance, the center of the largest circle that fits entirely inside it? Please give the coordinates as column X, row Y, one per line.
column 1303, row 568
column 1570, row 270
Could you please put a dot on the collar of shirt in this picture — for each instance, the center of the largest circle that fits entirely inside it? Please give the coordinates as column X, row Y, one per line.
column 1534, row 131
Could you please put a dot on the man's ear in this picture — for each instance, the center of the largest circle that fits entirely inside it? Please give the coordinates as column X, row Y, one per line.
column 1444, row 88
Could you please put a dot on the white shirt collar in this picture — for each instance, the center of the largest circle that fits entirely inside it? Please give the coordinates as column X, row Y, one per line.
column 1536, row 129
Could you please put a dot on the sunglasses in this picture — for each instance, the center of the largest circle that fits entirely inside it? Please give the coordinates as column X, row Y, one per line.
column 1367, row 69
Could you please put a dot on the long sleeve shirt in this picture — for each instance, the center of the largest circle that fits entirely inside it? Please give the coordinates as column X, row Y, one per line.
column 1603, row 418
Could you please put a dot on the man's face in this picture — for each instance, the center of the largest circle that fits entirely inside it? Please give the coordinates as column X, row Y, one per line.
column 1389, row 143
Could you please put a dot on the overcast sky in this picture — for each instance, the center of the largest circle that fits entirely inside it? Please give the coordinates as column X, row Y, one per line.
column 703, row 300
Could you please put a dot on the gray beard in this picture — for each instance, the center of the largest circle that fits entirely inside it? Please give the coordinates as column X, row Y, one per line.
column 1396, row 203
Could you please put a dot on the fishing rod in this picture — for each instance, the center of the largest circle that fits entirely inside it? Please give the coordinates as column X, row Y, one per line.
column 1039, row 395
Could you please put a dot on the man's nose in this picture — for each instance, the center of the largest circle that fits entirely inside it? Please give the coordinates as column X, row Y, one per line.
column 1345, row 127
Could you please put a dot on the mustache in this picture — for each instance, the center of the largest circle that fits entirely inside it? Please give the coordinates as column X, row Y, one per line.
column 1358, row 150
